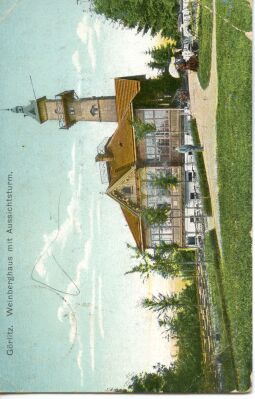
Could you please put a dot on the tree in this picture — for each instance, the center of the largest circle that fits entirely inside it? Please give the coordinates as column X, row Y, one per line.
column 159, row 380
column 142, row 128
column 161, row 303
column 167, row 259
column 186, row 374
column 164, row 249
column 143, row 15
column 164, row 268
column 157, row 215
column 157, row 92
column 164, row 181
column 144, row 268
column 139, row 253
column 170, row 325
column 161, row 57
column 146, row 382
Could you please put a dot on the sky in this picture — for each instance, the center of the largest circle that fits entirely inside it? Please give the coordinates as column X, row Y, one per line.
column 78, row 324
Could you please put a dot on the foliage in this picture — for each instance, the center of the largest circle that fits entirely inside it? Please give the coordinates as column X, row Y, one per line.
column 161, row 57
column 142, row 128
column 164, row 181
column 146, row 383
column 157, row 92
column 163, row 303
column 185, row 375
column 203, row 182
column 234, row 156
column 205, row 42
column 144, row 15
column 156, row 216
column 167, row 260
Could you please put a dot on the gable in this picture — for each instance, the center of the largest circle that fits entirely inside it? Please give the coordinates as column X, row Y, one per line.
column 126, row 188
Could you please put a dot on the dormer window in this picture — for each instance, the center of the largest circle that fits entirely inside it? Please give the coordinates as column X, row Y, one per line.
column 94, row 110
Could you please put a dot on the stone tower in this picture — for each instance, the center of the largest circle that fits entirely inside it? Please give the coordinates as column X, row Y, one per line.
column 68, row 109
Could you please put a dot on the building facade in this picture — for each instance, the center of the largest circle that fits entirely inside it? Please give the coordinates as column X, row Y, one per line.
column 131, row 165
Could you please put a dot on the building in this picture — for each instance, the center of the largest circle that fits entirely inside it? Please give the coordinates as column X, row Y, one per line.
column 129, row 165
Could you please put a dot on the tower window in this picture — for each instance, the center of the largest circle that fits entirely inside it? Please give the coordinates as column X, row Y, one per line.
column 71, row 111
column 94, row 110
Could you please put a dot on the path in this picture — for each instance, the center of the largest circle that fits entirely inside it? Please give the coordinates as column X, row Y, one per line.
column 203, row 104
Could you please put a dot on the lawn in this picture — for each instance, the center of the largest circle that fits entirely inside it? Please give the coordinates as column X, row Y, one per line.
column 203, row 183
column 220, row 318
column 234, row 145
column 205, row 42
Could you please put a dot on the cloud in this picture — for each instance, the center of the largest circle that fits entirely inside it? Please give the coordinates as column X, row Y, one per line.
column 79, row 362
column 71, row 173
column 44, row 254
column 98, row 215
column 56, row 240
column 100, row 312
column 92, row 323
column 97, row 28
column 76, row 61
column 70, row 225
column 86, row 32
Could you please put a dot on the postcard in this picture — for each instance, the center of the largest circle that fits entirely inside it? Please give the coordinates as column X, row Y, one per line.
column 125, row 169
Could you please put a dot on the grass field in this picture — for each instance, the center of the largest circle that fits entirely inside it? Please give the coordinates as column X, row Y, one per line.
column 203, row 183
column 205, row 42
column 212, row 255
column 234, row 145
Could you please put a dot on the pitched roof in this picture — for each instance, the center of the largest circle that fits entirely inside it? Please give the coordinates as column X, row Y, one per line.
column 123, row 149
column 135, row 226
column 122, row 146
column 122, row 143
column 126, row 90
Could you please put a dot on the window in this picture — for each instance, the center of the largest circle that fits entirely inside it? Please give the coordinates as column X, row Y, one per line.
column 190, row 152
column 175, row 203
column 194, row 195
column 94, row 110
column 191, row 220
column 148, row 114
column 191, row 240
column 190, row 176
column 161, row 113
column 127, row 190
column 71, row 111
